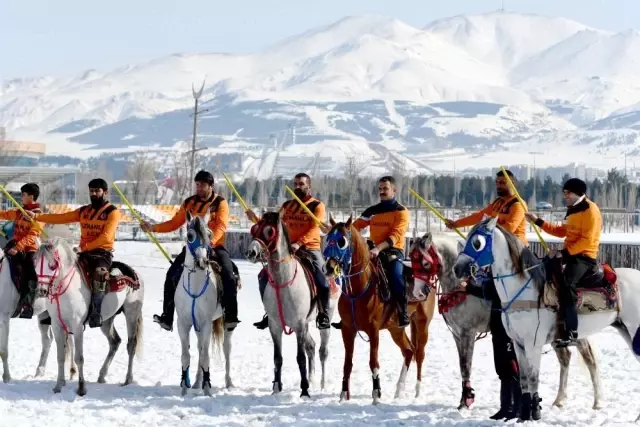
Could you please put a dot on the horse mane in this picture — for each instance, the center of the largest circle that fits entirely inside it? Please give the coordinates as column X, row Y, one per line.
column 273, row 218
column 359, row 245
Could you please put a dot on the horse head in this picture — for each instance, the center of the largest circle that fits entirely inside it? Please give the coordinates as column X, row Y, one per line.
column 269, row 239
column 198, row 241
column 338, row 251
column 53, row 259
column 477, row 251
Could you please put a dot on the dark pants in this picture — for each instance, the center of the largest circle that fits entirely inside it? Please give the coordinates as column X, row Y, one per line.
column 394, row 269
column 504, row 355
column 23, row 263
column 576, row 267
column 95, row 259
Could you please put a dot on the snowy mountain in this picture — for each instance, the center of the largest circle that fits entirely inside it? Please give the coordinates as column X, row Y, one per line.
column 484, row 88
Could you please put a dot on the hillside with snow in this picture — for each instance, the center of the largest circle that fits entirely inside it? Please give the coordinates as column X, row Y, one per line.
column 373, row 90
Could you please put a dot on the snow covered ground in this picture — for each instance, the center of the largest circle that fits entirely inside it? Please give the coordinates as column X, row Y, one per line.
column 154, row 400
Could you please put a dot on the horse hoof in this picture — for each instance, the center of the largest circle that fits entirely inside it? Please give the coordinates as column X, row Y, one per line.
column 101, row 380
column 57, row 389
column 184, row 391
column 39, row 373
column 6, row 378
column 468, row 402
column 305, row 394
column 597, row 406
column 127, row 382
column 207, row 391
column 345, row 395
column 82, row 390
column 376, row 400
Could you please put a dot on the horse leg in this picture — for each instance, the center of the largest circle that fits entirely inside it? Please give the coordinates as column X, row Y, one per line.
column 419, row 346
column 401, row 339
column 302, row 336
column 349, row 341
column 564, row 358
column 374, row 364
column 204, row 357
column 183, row 331
column 4, row 348
column 114, row 340
column 324, row 353
column 78, row 339
column 526, row 365
column 226, row 346
column 586, row 351
column 276, row 336
column 46, row 338
column 310, row 349
column 465, row 343
column 134, row 338
column 61, row 343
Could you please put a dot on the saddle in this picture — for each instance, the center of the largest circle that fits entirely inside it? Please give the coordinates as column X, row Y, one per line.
column 217, row 269
column 597, row 291
column 308, row 267
column 119, row 277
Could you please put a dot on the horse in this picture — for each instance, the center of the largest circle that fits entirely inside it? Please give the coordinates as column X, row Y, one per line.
column 9, row 298
column 198, row 305
column 65, row 282
column 289, row 299
column 606, row 298
column 467, row 317
column 364, row 307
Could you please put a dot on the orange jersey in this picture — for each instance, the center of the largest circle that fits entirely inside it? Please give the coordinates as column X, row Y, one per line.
column 387, row 221
column 97, row 226
column 510, row 215
column 218, row 209
column 581, row 229
column 303, row 229
column 25, row 233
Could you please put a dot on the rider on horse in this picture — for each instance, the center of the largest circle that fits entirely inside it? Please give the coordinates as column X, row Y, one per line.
column 304, row 233
column 205, row 200
column 581, row 229
column 388, row 222
column 23, row 245
column 98, row 224
column 510, row 215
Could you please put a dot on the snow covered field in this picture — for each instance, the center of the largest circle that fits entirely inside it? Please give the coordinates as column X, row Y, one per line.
column 154, row 400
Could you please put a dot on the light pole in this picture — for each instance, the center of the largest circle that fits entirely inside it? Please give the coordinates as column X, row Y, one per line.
column 196, row 96
column 535, row 195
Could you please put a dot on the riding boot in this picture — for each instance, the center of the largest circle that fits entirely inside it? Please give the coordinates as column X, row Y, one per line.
column 571, row 327
column 403, row 317
column 95, row 315
column 337, row 325
column 536, row 409
column 263, row 324
column 165, row 320
column 231, row 312
column 516, row 392
column 506, row 401
column 28, row 297
column 322, row 320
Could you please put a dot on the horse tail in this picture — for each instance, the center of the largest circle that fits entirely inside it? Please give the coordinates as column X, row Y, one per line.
column 68, row 356
column 139, row 335
column 217, row 335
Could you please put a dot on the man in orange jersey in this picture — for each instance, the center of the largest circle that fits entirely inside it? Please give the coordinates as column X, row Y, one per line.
column 23, row 245
column 304, row 233
column 511, row 215
column 205, row 200
column 388, row 222
column 98, row 224
column 581, row 229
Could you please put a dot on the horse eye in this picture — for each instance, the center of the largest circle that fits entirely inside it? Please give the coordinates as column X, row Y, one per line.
column 269, row 232
column 342, row 243
column 191, row 236
column 478, row 243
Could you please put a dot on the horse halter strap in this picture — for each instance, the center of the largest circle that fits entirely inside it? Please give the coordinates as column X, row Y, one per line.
column 418, row 257
column 194, row 241
column 267, row 236
column 338, row 248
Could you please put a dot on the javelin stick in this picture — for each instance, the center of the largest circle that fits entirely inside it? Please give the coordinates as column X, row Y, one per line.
column 524, row 205
column 238, row 196
column 320, row 223
column 10, row 197
column 435, row 211
column 141, row 221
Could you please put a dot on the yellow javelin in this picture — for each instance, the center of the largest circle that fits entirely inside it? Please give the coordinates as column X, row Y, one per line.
column 135, row 213
column 524, row 205
column 435, row 211
column 10, row 197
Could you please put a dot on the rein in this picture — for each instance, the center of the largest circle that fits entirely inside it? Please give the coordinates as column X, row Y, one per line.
column 62, row 287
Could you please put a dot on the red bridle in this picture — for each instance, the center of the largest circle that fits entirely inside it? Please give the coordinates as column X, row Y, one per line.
column 47, row 281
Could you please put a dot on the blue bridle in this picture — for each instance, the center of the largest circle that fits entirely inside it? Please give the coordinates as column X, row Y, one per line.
column 194, row 242
column 339, row 250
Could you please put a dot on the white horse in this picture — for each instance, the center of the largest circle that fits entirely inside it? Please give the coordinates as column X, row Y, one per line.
column 529, row 310
column 68, row 299
column 197, row 300
column 9, row 298
column 288, row 299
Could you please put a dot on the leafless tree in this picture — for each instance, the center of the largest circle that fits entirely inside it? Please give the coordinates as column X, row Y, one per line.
column 141, row 176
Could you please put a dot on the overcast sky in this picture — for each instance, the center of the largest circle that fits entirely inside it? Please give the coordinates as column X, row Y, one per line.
column 45, row 37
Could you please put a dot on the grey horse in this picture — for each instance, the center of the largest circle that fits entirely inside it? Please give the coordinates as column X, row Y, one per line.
column 467, row 317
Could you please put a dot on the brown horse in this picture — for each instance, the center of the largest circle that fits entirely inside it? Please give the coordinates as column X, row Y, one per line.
column 363, row 307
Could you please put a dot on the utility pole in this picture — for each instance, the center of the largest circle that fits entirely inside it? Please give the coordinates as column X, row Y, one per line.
column 196, row 97
column 535, row 195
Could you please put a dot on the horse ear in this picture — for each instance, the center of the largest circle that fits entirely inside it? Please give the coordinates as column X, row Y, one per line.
column 331, row 220
column 491, row 224
column 460, row 246
column 188, row 216
column 348, row 224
